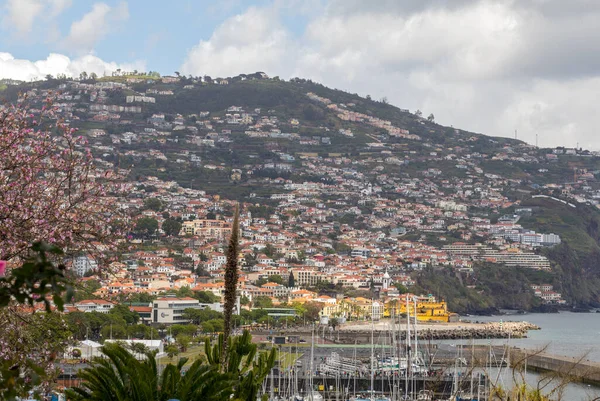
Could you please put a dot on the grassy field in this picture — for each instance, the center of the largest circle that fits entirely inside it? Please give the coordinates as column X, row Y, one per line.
column 288, row 359
column 195, row 352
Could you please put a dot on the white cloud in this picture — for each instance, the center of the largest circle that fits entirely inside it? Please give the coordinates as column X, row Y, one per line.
column 95, row 25
column 20, row 15
column 249, row 42
column 55, row 64
column 489, row 66
column 58, row 6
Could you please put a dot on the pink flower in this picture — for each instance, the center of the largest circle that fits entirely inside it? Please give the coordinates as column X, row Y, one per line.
column 2, row 267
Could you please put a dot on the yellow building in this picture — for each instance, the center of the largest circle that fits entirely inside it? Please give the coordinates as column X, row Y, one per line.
column 428, row 309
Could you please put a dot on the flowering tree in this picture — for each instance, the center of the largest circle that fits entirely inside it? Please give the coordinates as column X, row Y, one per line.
column 31, row 342
column 50, row 189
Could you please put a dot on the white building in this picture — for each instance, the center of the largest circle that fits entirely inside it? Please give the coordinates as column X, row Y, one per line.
column 151, row 345
column 84, row 264
column 94, row 305
column 170, row 310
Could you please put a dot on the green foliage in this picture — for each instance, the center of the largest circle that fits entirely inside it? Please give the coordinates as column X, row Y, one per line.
column 86, row 290
column 269, row 250
column 186, row 329
column 171, row 227
column 184, row 291
column 213, row 326
column 141, row 297
column 120, row 376
column 262, row 302
column 140, row 331
column 291, row 280
column 206, row 297
column 113, row 331
column 490, row 288
column 197, row 316
column 576, row 261
column 172, row 350
column 146, row 226
column 125, row 313
column 401, row 289
column 38, row 280
column 244, row 362
column 445, row 284
column 276, row 278
column 183, row 341
column 153, row 204
column 261, row 211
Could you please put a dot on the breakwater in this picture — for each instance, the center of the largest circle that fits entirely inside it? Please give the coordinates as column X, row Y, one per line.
column 563, row 367
column 361, row 332
column 347, row 335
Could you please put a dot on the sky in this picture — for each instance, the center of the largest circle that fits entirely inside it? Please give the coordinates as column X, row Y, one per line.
column 488, row 66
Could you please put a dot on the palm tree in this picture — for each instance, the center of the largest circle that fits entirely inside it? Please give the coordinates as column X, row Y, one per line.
column 231, row 279
column 121, row 377
column 243, row 362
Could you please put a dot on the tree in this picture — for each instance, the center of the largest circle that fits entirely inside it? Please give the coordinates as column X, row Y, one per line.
column 153, row 204
column 146, row 226
column 275, row 278
column 172, row 350
column 86, row 290
column 50, row 188
column 93, row 76
column 334, row 322
column 231, row 279
column 244, row 300
column 431, row 118
column 270, row 250
column 28, row 353
column 184, row 291
column 401, row 288
column 291, row 280
column 262, row 301
column 206, row 297
column 312, row 311
column 384, row 100
column 123, row 312
column 243, row 362
column 120, row 376
column 183, row 341
column 171, row 227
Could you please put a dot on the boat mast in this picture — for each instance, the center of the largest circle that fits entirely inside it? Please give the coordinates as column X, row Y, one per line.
column 312, row 357
column 416, row 353
column 408, row 361
column 372, row 353
column 355, row 368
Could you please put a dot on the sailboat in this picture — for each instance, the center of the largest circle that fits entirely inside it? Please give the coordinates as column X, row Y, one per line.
column 312, row 394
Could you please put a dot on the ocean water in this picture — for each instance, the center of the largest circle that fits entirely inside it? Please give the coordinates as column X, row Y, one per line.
column 565, row 333
column 569, row 334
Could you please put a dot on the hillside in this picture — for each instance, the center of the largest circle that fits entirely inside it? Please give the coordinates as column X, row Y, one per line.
column 577, row 259
column 375, row 175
